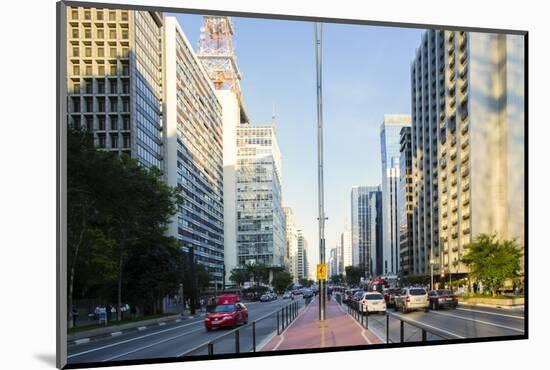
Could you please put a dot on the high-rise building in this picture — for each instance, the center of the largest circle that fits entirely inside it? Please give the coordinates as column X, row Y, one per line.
column 389, row 144
column 347, row 250
column 366, row 228
column 302, row 255
column 405, row 203
column 333, row 262
column 217, row 55
column 260, row 218
column 193, row 151
column 114, row 80
column 467, row 144
column 291, row 244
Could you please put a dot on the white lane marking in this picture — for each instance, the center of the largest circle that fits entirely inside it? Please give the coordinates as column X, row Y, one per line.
column 479, row 321
column 162, row 323
column 178, row 320
column 142, row 328
column 131, row 340
column 150, row 345
column 114, row 334
column 81, row 341
column 493, row 313
column 430, row 326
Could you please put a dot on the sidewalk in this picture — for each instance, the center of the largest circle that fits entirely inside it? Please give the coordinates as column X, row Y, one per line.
column 339, row 329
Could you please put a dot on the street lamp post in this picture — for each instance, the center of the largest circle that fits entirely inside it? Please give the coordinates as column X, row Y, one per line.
column 318, row 28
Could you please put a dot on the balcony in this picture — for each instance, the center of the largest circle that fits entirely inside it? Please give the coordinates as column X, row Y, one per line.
column 465, row 172
column 465, row 143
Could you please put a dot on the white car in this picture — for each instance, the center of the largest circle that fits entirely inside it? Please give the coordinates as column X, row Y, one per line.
column 412, row 299
column 372, row 302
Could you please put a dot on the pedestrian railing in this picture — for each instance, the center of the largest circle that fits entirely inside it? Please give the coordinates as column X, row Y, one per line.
column 244, row 338
column 408, row 330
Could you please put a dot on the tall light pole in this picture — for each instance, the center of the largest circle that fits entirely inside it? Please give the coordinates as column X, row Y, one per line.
column 431, row 273
column 318, row 28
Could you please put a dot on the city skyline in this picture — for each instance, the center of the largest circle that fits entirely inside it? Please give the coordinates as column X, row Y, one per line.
column 380, row 85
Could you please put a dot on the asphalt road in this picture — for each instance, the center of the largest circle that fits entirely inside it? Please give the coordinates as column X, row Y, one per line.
column 178, row 339
column 463, row 322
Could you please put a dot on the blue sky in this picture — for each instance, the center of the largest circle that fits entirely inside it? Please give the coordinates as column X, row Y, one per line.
column 365, row 75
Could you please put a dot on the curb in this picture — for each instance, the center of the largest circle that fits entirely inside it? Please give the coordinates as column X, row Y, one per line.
column 516, row 307
column 117, row 331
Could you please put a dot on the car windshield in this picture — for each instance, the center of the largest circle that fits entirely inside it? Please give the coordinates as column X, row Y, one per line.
column 225, row 308
column 417, row 292
column 374, row 296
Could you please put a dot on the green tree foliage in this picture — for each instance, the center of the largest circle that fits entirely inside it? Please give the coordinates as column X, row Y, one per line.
column 493, row 261
column 337, row 279
column 239, row 276
column 281, row 280
column 353, row 275
column 117, row 214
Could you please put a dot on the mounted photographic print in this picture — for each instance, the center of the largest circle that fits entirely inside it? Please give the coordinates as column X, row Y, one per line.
column 236, row 185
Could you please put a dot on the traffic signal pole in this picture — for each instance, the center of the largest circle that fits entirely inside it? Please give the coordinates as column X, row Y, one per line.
column 318, row 28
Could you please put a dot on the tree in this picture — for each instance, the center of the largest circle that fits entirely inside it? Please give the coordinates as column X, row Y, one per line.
column 303, row 281
column 281, row 280
column 337, row 279
column 239, row 276
column 493, row 261
column 353, row 275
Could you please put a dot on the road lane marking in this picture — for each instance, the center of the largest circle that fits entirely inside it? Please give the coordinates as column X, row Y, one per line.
column 162, row 323
column 142, row 328
column 430, row 326
column 82, row 341
column 114, row 334
column 150, row 345
column 131, row 340
column 493, row 313
column 479, row 321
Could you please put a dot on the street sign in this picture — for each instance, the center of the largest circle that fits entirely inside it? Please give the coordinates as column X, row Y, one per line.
column 322, row 271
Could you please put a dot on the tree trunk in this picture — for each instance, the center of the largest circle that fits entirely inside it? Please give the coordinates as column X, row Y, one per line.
column 119, row 312
column 71, row 278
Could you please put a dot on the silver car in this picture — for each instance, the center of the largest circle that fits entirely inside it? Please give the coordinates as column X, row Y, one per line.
column 411, row 299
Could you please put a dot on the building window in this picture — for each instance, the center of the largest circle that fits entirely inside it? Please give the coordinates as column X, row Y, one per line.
column 74, row 14
column 124, row 15
column 113, row 86
column 125, row 105
column 76, row 105
column 88, row 52
column 75, row 33
column 89, row 124
column 87, row 15
column 113, row 69
column 114, row 141
column 101, row 123
column 112, row 15
column 112, row 53
column 125, row 34
column 125, row 52
column 89, row 105
column 101, row 105
column 76, row 70
column 114, row 105
column 100, row 34
column 89, row 86
column 126, row 123
column 100, row 87
column 76, row 88
column 76, row 52
column 100, row 52
column 88, row 70
column 99, row 15
column 126, row 88
column 114, row 123
column 88, row 33
column 112, row 34
column 101, row 141
column 125, row 70
column 101, row 70
column 126, row 142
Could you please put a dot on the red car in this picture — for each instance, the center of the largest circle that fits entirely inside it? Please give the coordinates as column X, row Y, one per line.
column 228, row 313
column 390, row 294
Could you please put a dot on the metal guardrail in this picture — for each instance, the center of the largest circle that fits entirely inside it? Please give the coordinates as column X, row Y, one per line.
column 363, row 319
column 284, row 318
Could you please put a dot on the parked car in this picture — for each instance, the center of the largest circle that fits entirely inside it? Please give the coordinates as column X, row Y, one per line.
column 390, row 294
column 297, row 292
column 354, row 302
column 411, row 299
column 287, row 295
column 266, row 298
column 229, row 314
column 442, row 298
column 372, row 302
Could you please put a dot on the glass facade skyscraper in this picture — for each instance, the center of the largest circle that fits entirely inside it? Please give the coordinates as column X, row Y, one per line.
column 390, row 153
column 261, row 235
column 366, row 228
column 404, row 203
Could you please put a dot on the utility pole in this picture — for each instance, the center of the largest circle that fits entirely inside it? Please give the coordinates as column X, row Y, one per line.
column 318, row 28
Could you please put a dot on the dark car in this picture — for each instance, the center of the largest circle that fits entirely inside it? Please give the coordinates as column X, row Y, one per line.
column 390, row 294
column 308, row 293
column 442, row 298
column 227, row 315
